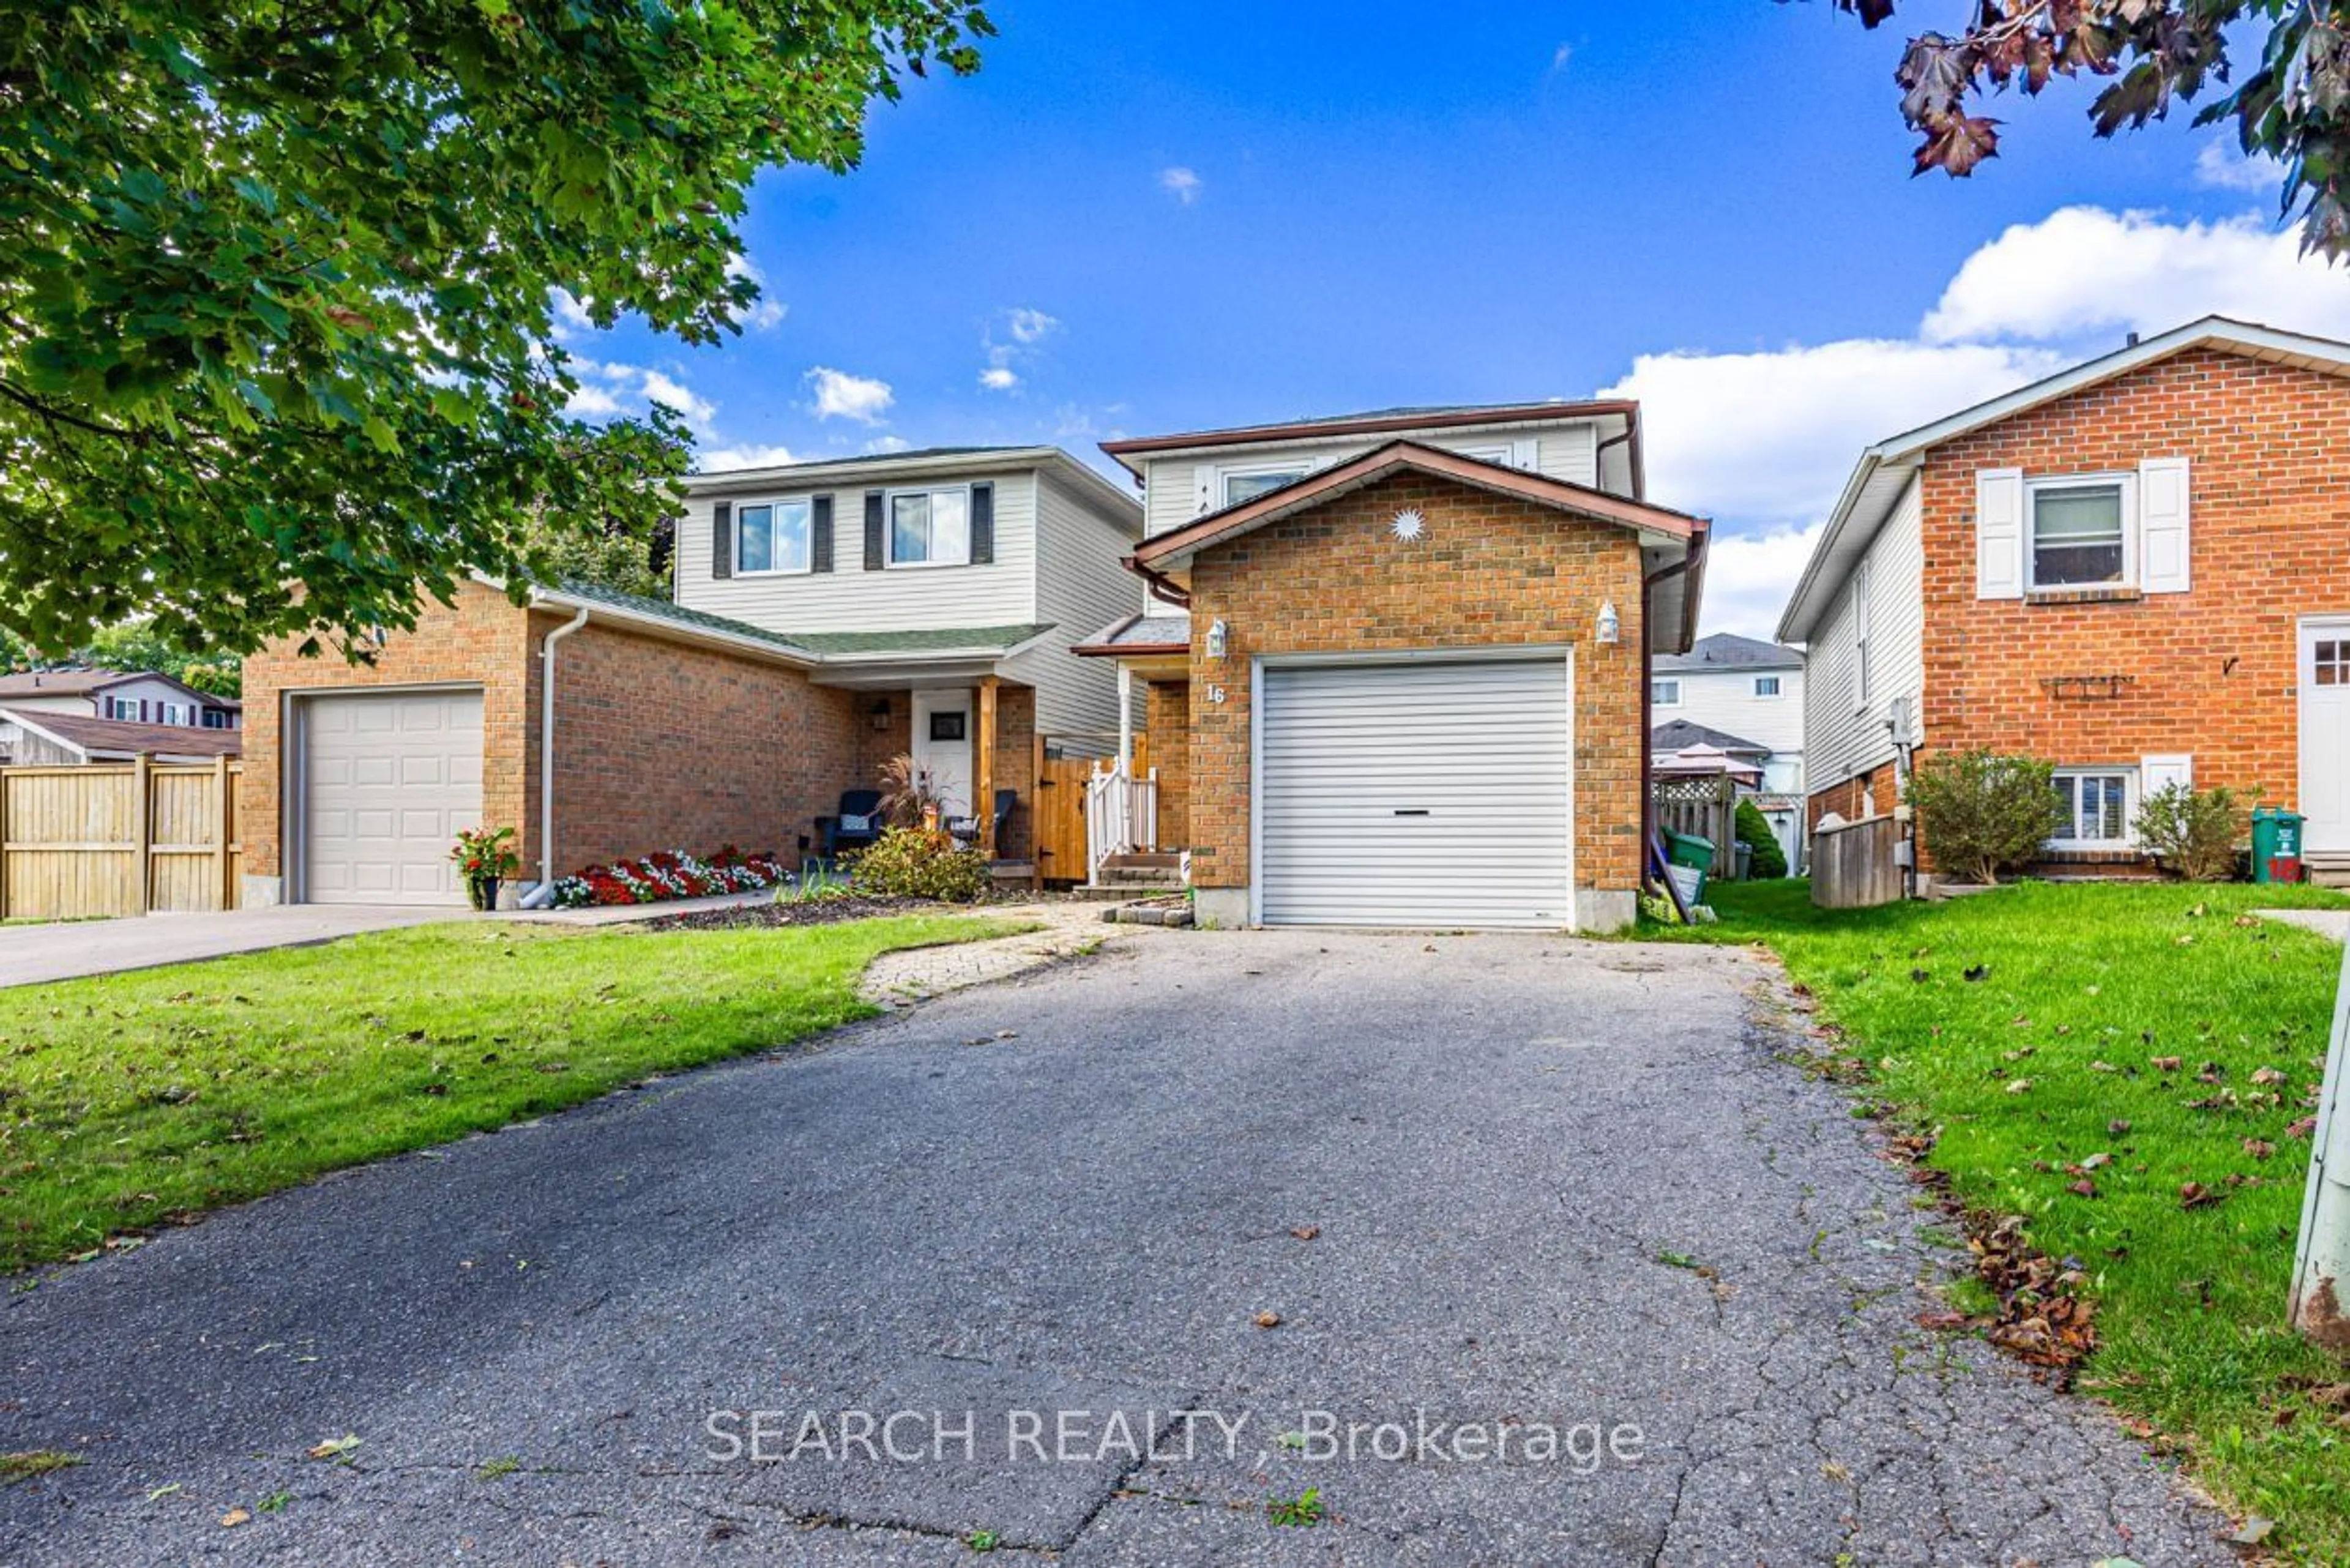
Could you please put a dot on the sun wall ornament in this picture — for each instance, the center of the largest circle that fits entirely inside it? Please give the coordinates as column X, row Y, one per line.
column 1410, row 525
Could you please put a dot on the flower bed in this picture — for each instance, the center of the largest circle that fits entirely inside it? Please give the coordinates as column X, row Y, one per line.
column 672, row 874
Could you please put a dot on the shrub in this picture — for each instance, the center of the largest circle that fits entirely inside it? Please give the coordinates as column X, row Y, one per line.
column 1755, row 832
column 2191, row 832
column 1982, row 813
column 907, row 863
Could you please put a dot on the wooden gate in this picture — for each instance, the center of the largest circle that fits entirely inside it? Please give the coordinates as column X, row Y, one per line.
column 1856, row 866
column 119, row 839
column 1707, row 808
column 1061, row 855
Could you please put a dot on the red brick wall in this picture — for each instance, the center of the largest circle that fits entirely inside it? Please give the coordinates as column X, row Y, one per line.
column 2212, row 672
column 478, row 641
column 661, row 745
column 1169, row 725
column 1873, row 794
column 1493, row 572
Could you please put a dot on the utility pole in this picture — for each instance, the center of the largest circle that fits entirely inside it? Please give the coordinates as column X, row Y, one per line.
column 2321, row 1266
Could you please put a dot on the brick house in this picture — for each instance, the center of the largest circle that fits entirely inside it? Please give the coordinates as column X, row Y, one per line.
column 2135, row 570
column 790, row 668
column 1397, row 666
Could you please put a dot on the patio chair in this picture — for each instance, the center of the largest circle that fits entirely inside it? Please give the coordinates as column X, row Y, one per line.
column 858, row 824
column 966, row 828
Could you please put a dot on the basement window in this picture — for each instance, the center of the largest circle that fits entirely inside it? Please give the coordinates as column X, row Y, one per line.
column 2095, row 805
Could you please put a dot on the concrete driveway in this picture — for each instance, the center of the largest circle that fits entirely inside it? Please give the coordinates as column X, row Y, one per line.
column 69, row 950
column 1466, row 1176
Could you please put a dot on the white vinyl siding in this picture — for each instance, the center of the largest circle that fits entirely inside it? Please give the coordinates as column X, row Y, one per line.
column 1081, row 588
column 1379, row 791
column 1725, row 700
column 850, row 598
column 1177, row 484
column 1842, row 735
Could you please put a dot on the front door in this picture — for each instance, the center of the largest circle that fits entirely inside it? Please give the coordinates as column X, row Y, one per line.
column 2326, row 734
column 943, row 727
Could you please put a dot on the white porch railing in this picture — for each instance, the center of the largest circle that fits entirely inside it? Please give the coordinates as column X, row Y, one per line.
column 1121, row 813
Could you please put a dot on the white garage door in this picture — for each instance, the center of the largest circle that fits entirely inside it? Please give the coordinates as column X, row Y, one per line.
column 1429, row 794
column 392, row 780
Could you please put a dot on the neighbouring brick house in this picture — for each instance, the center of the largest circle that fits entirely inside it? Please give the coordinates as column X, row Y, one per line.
column 1410, row 686
column 2138, row 570
column 829, row 617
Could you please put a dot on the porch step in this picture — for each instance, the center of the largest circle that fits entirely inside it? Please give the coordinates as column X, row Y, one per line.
column 1146, row 859
column 2328, row 868
column 1139, row 878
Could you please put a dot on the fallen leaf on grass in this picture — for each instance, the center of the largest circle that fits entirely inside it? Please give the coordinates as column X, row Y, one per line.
column 2165, row 1064
column 2259, row 1149
column 2267, row 1076
column 2094, row 1161
column 2118, row 1128
column 2255, row 1531
column 2085, row 1188
column 2195, row 1195
column 2020, row 1086
column 2302, row 1128
column 1979, row 972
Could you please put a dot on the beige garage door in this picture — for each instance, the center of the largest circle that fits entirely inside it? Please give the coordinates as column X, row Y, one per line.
column 390, row 780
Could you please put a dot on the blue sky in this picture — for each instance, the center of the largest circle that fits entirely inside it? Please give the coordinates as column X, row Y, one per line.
column 1144, row 221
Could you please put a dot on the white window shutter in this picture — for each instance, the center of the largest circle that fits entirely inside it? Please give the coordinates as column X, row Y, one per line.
column 1526, row 453
column 2156, row 774
column 2162, row 525
column 1999, row 534
column 1203, row 483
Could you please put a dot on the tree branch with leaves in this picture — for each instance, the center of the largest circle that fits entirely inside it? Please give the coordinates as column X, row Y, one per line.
column 2293, row 105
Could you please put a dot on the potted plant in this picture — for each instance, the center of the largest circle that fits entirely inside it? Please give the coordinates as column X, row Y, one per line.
column 484, row 858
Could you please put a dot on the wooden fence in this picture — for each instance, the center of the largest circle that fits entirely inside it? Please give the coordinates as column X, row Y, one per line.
column 1854, row 866
column 1707, row 807
column 118, row 838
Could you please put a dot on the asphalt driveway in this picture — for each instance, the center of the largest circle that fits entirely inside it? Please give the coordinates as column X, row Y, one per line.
column 1468, row 1177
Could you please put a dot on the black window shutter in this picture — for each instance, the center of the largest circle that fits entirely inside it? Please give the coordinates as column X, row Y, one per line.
column 721, row 539
column 982, row 524
column 873, row 557
column 820, row 534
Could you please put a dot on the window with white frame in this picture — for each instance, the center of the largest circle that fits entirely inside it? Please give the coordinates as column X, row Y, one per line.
column 175, row 712
column 2079, row 531
column 1861, row 673
column 930, row 527
column 773, row 536
column 1665, row 693
column 2094, row 808
column 1766, row 686
column 1246, row 484
column 128, row 708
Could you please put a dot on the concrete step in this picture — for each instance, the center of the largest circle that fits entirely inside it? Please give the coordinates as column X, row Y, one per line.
column 1146, row 859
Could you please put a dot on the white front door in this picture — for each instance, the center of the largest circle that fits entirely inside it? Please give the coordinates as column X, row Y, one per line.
column 944, row 724
column 2324, row 680
column 1436, row 792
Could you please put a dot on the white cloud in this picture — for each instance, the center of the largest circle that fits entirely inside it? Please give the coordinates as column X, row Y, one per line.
column 839, row 395
column 592, row 402
column 1768, row 437
column 767, row 313
column 881, row 446
column 1028, row 325
column 2222, row 166
column 722, row 459
column 697, row 408
column 1183, row 184
column 2082, row 270
column 1561, row 56
column 999, row 378
column 570, row 315
column 1750, row 576
column 608, row 387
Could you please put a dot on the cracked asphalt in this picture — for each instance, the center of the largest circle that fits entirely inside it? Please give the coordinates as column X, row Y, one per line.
column 1550, row 1188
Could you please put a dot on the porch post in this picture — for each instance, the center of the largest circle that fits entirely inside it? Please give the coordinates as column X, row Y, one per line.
column 1125, row 718
column 983, row 765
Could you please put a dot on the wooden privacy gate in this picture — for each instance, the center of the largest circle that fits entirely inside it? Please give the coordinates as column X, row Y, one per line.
column 1856, row 865
column 1060, row 814
column 122, row 838
column 1708, row 808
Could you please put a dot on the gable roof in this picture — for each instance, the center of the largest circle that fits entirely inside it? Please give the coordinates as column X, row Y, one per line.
column 83, row 681
column 1884, row 470
column 1391, row 421
column 1728, row 650
column 120, row 738
column 1160, row 633
column 1174, row 550
column 1679, row 734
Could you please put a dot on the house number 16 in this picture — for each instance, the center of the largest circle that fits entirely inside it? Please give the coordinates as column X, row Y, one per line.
column 1215, row 693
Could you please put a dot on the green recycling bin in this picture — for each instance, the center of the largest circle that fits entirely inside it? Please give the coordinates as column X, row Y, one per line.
column 1688, row 849
column 2276, row 844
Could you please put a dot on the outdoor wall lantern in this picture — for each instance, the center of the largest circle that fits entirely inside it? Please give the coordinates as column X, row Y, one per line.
column 881, row 713
column 1219, row 639
column 1610, row 630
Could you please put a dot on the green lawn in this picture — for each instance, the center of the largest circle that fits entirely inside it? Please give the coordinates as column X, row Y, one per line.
column 2056, row 1054
column 132, row 1100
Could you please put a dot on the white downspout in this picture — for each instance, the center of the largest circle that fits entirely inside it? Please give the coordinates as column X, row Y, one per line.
column 538, row 897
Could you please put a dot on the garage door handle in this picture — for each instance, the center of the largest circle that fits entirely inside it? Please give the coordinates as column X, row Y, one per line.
column 1411, row 811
